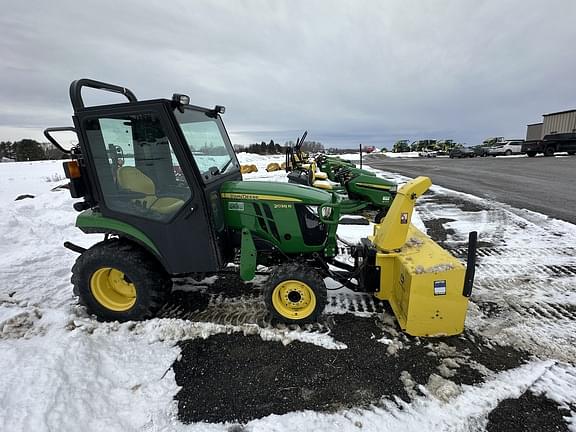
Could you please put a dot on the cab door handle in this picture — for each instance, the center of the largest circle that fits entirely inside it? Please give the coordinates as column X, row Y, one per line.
column 191, row 210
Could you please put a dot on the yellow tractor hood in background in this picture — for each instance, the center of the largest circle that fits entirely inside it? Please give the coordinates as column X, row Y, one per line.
column 423, row 283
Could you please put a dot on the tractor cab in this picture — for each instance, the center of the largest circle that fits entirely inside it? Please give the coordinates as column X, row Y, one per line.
column 157, row 167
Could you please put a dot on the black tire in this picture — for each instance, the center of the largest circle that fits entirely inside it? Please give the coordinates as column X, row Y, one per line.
column 296, row 309
column 150, row 281
column 380, row 215
column 531, row 153
column 549, row 151
column 508, row 152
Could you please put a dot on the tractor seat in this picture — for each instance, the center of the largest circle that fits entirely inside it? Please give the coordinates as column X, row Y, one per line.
column 321, row 175
column 322, row 184
column 319, row 179
column 133, row 180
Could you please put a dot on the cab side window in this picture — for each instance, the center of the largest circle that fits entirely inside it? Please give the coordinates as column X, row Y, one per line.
column 138, row 171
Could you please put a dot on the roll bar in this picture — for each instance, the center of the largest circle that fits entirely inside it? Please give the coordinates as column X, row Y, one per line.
column 76, row 91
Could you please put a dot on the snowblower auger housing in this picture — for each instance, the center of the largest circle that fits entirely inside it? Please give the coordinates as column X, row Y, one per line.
column 160, row 179
column 424, row 284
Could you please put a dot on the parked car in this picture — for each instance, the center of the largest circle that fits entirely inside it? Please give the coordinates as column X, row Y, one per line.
column 462, row 152
column 506, row 148
column 481, row 150
column 428, row 153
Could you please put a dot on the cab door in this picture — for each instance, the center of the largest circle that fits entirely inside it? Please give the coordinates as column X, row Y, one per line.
column 142, row 177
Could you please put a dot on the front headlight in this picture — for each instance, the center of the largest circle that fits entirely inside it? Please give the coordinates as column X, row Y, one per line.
column 326, row 212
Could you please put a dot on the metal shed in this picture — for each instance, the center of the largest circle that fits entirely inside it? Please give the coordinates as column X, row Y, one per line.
column 559, row 122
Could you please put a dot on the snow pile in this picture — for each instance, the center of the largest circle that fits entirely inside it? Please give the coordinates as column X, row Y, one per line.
column 400, row 155
column 19, row 178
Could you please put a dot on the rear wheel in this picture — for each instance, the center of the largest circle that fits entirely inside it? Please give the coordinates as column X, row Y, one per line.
column 531, row 153
column 119, row 281
column 549, row 151
column 508, row 152
column 295, row 293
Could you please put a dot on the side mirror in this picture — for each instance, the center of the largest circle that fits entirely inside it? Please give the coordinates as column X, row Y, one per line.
column 64, row 138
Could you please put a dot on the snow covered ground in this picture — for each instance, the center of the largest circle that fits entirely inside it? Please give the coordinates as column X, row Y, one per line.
column 64, row 371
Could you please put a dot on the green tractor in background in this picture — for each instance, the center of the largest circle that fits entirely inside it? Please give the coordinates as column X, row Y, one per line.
column 361, row 190
column 160, row 181
column 401, row 146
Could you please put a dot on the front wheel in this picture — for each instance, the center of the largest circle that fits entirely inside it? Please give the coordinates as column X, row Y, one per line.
column 295, row 294
column 549, row 151
column 119, row 281
column 531, row 153
column 508, row 152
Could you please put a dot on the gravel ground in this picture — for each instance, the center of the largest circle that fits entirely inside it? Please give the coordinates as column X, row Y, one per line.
column 236, row 378
column 527, row 413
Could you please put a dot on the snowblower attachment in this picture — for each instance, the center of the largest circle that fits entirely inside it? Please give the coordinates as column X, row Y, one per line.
column 426, row 286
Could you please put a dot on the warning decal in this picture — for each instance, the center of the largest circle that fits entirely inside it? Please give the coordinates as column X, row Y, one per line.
column 439, row 287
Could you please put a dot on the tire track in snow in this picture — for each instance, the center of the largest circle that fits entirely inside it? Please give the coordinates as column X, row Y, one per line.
column 525, row 286
column 250, row 309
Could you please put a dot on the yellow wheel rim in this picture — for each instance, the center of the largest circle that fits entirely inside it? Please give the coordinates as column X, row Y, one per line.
column 112, row 290
column 294, row 299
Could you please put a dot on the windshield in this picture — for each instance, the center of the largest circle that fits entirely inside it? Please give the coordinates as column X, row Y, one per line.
column 207, row 141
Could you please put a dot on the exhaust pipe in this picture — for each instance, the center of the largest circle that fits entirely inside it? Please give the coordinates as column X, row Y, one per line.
column 470, row 264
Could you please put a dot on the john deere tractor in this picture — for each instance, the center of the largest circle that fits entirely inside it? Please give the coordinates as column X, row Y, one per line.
column 160, row 181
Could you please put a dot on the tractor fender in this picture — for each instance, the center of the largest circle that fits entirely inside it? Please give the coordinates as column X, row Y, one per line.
column 92, row 222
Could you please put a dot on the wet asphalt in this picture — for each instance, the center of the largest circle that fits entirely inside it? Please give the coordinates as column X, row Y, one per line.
column 543, row 184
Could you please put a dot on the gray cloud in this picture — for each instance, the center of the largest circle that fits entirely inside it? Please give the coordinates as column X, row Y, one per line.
column 349, row 72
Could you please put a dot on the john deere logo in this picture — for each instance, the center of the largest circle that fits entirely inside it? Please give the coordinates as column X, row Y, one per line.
column 236, row 206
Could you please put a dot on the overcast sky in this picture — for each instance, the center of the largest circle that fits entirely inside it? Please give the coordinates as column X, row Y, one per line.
column 349, row 72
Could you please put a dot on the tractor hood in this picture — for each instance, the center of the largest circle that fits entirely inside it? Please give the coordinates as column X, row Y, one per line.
column 274, row 191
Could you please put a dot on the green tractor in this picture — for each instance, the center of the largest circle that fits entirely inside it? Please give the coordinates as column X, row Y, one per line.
column 160, row 181
column 361, row 190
